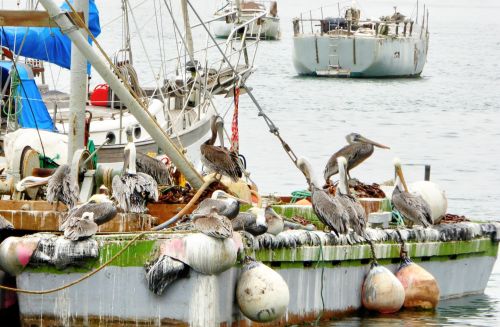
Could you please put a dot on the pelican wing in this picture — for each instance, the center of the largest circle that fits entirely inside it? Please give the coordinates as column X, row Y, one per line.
column 216, row 226
column 62, row 187
column 154, row 168
column 103, row 212
column 78, row 228
column 329, row 211
column 413, row 207
column 121, row 192
column 206, row 205
column 221, row 160
column 354, row 153
column 133, row 191
column 247, row 221
column 5, row 224
column 148, row 186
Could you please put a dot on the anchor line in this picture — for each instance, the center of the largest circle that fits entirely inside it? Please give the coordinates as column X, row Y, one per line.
column 270, row 124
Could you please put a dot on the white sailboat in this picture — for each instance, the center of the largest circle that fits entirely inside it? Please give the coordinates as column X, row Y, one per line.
column 351, row 46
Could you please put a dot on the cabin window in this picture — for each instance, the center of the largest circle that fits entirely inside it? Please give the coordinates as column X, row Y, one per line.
column 137, row 132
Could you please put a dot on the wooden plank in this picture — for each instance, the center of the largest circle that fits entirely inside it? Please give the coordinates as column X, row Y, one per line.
column 29, row 18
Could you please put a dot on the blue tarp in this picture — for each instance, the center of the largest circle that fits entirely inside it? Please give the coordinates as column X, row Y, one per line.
column 32, row 112
column 44, row 43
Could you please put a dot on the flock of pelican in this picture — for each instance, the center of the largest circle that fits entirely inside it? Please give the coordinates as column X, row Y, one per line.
column 219, row 215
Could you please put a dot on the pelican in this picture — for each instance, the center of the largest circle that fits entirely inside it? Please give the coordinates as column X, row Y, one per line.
column 213, row 224
column 412, row 206
column 328, row 209
column 356, row 212
column 275, row 223
column 133, row 189
column 5, row 224
column 227, row 205
column 219, row 159
column 61, row 187
column 357, row 151
column 253, row 221
column 82, row 221
column 154, row 168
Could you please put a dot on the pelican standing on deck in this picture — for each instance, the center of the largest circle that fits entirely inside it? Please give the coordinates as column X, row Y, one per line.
column 356, row 212
column 154, row 168
column 133, row 189
column 213, row 224
column 357, row 151
column 412, row 206
column 227, row 205
column 219, row 159
column 328, row 209
column 62, row 187
column 82, row 221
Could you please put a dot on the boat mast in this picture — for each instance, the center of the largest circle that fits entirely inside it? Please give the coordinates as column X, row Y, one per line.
column 140, row 113
column 187, row 27
column 78, row 89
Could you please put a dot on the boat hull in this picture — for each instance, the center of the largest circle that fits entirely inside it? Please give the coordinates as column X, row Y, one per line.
column 354, row 56
column 270, row 28
column 119, row 294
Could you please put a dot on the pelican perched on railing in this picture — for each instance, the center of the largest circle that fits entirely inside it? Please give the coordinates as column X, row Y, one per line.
column 82, row 221
column 412, row 206
column 213, row 224
column 62, row 187
column 328, row 209
column 219, row 159
column 356, row 212
column 226, row 204
column 357, row 151
column 133, row 189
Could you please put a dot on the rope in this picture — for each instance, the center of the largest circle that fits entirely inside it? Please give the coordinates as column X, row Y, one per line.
column 235, row 137
column 320, row 254
column 299, row 195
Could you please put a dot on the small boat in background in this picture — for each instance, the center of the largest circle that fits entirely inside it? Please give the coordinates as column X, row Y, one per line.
column 263, row 14
column 350, row 46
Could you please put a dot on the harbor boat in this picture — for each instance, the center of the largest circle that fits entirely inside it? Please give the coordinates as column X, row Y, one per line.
column 263, row 15
column 182, row 105
column 352, row 46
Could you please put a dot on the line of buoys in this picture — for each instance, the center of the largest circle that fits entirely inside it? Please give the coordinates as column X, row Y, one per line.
column 382, row 291
column 421, row 288
column 261, row 292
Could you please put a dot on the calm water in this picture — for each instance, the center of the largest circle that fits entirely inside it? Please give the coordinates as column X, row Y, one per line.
column 448, row 118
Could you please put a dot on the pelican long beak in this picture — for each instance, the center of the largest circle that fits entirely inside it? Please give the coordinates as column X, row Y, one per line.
column 237, row 198
column 365, row 140
column 220, row 131
column 399, row 171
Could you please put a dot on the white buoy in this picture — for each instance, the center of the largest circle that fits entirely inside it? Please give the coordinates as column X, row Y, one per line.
column 262, row 293
column 382, row 291
column 16, row 252
column 434, row 196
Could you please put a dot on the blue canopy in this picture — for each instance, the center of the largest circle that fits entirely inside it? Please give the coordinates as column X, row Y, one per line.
column 45, row 43
column 32, row 112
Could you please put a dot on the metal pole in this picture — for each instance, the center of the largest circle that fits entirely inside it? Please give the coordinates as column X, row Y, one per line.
column 142, row 115
column 427, row 176
column 187, row 27
column 78, row 90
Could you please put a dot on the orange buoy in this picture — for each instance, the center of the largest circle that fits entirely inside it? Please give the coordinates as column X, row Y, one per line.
column 421, row 288
column 303, row 202
column 382, row 291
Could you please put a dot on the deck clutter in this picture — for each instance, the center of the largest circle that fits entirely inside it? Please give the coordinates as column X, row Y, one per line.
column 132, row 237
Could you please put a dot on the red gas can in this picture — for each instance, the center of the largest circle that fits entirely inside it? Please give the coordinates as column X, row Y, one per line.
column 100, row 95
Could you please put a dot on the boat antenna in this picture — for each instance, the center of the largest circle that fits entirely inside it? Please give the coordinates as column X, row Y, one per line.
column 272, row 127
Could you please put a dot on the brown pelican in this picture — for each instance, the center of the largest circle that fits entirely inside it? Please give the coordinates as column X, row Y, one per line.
column 357, row 151
column 219, row 159
column 328, row 209
column 133, row 189
column 82, row 221
column 154, row 168
column 275, row 223
column 213, row 224
column 5, row 224
column 356, row 212
column 227, row 205
column 412, row 206
column 61, row 187
column 253, row 221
